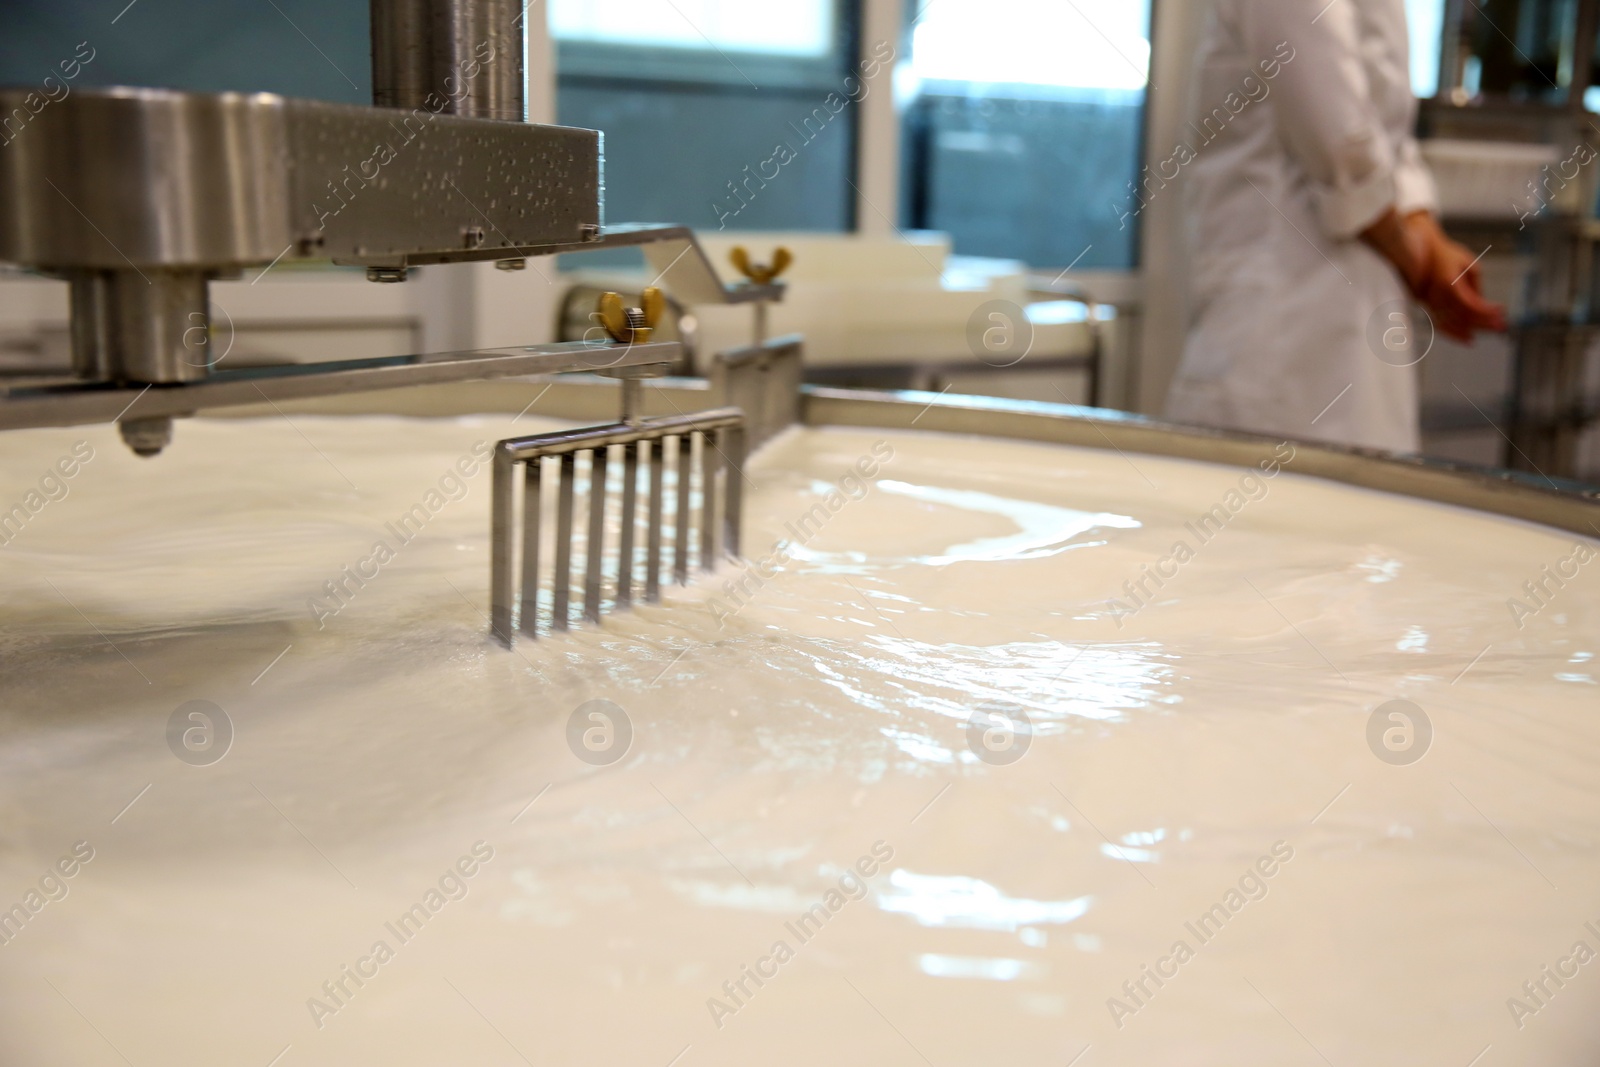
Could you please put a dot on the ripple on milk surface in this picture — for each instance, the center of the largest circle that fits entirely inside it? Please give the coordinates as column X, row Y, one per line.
column 783, row 726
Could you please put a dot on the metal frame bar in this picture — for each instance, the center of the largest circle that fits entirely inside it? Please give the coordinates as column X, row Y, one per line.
column 658, row 474
column 708, row 501
column 764, row 379
column 630, row 519
column 27, row 405
column 734, row 443
column 597, row 532
column 561, row 602
column 531, row 502
column 500, row 532
column 684, row 466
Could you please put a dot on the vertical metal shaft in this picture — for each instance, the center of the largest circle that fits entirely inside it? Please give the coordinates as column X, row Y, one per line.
column 563, row 574
column 402, row 53
column 597, row 532
column 708, row 500
column 137, row 327
column 652, row 575
column 632, row 393
column 532, row 487
column 460, row 57
column 733, row 447
column 94, row 332
column 680, row 542
column 630, row 494
column 500, row 581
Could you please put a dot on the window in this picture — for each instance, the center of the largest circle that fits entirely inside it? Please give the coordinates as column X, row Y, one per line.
column 1091, row 44
column 1026, row 127
column 1426, row 18
column 1516, row 50
column 804, row 28
column 696, row 96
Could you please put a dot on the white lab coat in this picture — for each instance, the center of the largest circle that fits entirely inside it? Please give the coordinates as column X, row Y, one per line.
column 1282, row 292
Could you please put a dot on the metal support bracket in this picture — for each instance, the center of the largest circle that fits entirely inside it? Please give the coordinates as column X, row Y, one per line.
column 764, row 382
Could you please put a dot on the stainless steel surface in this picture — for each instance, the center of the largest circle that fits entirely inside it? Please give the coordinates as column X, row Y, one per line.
column 402, row 52
column 630, row 400
column 129, row 179
column 597, row 533
column 501, row 528
column 452, row 189
column 561, row 583
column 532, row 492
column 708, row 502
column 596, row 441
column 467, row 53
column 652, row 525
column 630, row 516
column 1565, row 506
column 160, row 327
column 679, row 263
column 561, row 442
column 734, row 448
column 93, row 325
column 140, row 197
column 146, row 437
column 763, row 381
column 493, row 33
column 136, row 179
column 29, row 404
column 683, row 465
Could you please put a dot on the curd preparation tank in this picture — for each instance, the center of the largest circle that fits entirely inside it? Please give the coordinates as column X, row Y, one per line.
column 991, row 751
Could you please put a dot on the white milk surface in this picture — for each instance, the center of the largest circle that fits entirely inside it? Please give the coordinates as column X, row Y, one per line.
column 1204, row 755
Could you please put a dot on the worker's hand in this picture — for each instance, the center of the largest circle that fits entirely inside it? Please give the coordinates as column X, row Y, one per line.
column 1449, row 285
column 1408, row 248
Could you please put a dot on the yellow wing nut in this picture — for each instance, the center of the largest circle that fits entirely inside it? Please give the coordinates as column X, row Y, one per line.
column 761, row 273
column 653, row 304
column 631, row 326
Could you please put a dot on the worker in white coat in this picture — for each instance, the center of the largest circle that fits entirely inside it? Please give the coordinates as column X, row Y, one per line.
column 1312, row 218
